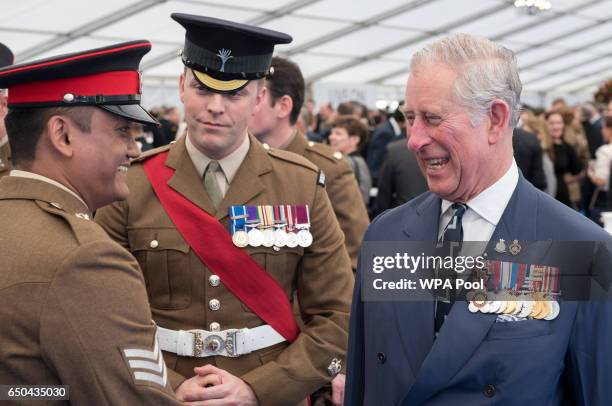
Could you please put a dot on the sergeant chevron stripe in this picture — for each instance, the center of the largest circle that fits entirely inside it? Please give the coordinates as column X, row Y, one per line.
column 146, row 365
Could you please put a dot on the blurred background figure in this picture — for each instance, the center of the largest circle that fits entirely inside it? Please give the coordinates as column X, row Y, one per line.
column 348, row 136
column 528, row 156
column 532, row 123
column 564, row 157
column 400, row 178
column 599, row 173
column 323, row 121
column 393, row 128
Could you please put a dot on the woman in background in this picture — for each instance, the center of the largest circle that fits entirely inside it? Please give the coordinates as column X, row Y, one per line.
column 564, row 157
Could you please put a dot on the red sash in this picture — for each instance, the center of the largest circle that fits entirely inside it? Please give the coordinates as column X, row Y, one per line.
column 211, row 242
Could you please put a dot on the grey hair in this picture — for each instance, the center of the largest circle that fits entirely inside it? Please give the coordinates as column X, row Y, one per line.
column 487, row 71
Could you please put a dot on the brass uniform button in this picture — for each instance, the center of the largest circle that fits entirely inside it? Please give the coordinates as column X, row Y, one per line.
column 214, row 280
column 214, row 304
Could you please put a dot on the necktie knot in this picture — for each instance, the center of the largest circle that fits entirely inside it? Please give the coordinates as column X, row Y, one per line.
column 459, row 209
column 211, row 184
column 213, row 166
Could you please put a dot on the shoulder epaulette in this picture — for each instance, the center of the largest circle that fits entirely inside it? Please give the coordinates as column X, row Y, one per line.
column 152, row 152
column 292, row 158
column 83, row 227
column 324, row 151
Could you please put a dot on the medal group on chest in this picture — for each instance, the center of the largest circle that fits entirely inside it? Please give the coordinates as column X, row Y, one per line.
column 271, row 226
column 517, row 291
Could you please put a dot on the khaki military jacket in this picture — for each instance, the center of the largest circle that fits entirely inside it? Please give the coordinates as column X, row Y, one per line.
column 178, row 282
column 73, row 305
column 342, row 189
column 5, row 160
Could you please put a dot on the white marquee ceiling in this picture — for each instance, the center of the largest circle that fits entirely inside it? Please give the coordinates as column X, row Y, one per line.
column 566, row 49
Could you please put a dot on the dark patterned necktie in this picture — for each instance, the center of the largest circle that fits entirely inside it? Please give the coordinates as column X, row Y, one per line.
column 453, row 235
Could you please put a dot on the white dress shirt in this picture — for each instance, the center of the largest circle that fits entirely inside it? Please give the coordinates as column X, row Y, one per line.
column 484, row 210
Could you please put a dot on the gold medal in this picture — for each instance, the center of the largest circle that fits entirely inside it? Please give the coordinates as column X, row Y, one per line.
column 545, row 310
column 240, row 239
column 536, row 310
column 510, row 307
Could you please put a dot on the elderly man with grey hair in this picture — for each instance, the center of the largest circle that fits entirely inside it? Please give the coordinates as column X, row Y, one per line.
column 515, row 340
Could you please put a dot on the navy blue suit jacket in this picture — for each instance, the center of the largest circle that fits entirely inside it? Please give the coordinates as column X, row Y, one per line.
column 393, row 358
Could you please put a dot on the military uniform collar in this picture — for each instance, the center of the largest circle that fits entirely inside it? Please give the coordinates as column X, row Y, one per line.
column 297, row 143
column 244, row 187
column 229, row 164
column 28, row 185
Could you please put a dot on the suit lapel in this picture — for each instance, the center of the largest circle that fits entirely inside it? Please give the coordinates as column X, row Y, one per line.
column 525, row 233
column 245, row 186
column 424, row 226
column 186, row 180
column 420, row 228
column 463, row 332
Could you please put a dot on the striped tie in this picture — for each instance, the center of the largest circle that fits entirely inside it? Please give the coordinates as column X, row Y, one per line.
column 452, row 233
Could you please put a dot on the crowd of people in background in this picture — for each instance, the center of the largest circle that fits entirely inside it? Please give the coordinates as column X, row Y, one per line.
column 564, row 150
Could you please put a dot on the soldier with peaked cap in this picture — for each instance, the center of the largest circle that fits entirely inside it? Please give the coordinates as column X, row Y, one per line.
column 74, row 303
column 6, row 58
column 224, row 306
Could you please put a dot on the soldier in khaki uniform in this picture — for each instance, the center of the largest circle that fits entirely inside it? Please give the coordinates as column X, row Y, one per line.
column 214, row 169
column 6, row 58
column 74, row 305
column 275, row 124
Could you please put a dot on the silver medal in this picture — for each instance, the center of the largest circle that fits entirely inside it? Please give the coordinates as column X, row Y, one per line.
column 255, row 237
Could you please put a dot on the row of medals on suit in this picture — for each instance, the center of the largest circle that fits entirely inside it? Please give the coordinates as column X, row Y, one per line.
column 536, row 305
column 270, row 230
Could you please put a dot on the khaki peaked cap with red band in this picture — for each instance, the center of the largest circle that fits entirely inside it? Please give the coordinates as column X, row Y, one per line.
column 225, row 55
column 104, row 77
column 6, row 56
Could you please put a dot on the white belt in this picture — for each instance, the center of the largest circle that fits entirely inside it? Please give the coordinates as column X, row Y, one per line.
column 226, row 343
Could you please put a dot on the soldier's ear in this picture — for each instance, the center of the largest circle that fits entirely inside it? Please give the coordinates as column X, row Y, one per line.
column 59, row 135
column 181, row 85
column 284, row 105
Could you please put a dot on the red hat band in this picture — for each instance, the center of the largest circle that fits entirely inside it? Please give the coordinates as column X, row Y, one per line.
column 90, row 89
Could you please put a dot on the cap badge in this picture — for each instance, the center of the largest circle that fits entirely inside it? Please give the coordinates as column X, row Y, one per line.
column 225, row 55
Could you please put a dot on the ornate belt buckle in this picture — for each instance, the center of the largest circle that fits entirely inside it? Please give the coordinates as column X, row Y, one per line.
column 213, row 344
column 198, row 343
column 230, row 342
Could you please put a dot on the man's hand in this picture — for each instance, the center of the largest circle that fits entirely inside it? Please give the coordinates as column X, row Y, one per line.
column 231, row 391
column 194, row 387
column 337, row 385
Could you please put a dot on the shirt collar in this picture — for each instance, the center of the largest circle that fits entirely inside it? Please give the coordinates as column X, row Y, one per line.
column 31, row 175
column 491, row 202
column 3, row 140
column 229, row 164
